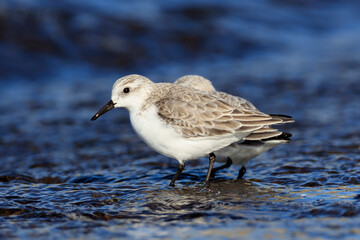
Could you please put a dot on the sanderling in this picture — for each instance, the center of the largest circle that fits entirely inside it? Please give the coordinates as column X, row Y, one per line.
column 181, row 122
column 252, row 145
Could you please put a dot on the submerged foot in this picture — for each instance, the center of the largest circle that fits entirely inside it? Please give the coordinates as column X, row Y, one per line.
column 211, row 164
column 226, row 165
column 242, row 172
column 180, row 169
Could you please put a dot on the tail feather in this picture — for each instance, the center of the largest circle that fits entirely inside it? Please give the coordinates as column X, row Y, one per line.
column 262, row 136
column 284, row 118
column 282, row 136
column 263, row 133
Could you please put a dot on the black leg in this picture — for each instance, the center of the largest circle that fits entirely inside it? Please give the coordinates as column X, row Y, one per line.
column 226, row 165
column 180, row 169
column 242, row 172
column 211, row 164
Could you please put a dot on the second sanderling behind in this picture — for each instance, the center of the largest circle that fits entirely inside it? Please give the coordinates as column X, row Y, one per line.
column 250, row 146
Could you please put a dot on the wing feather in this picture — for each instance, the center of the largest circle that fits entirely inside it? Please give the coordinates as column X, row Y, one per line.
column 198, row 114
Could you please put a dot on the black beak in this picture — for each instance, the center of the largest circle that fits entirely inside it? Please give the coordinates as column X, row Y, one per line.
column 110, row 105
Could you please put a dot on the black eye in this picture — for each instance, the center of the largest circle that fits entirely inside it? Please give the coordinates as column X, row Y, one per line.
column 126, row 90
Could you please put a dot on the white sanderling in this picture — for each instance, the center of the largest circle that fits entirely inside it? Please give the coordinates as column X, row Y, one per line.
column 251, row 146
column 181, row 122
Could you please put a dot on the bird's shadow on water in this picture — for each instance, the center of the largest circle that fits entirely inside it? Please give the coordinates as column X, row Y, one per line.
column 222, row 199
column 240, row 189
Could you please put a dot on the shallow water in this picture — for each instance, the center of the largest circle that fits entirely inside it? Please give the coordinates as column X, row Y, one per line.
column 63, row 176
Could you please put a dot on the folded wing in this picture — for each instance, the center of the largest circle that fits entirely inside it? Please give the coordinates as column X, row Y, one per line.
column 198, row 114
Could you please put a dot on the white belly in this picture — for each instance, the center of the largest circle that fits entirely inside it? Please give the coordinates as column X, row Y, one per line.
column 164, row 139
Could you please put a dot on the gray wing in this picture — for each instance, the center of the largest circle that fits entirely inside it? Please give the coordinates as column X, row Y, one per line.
column 238, row 102
column 198, row 114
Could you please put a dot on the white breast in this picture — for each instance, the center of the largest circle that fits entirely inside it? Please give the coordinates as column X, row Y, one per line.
column 154, row 132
